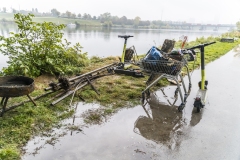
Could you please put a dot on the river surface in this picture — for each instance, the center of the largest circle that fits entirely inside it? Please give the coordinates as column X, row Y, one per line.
column 105, row 42
column 157, row 130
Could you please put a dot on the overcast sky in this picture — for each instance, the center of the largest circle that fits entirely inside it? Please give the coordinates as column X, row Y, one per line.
column 193, row 11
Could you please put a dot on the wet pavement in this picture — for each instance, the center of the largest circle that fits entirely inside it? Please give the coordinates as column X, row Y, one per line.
column 157, row 130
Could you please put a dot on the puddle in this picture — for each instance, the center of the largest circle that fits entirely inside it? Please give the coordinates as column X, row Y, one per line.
column 130, row 134
column 156, row 130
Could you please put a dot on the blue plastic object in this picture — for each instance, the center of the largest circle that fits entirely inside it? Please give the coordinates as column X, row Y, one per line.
column 153, row 54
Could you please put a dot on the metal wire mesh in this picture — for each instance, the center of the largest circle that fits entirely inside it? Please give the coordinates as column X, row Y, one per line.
column 167, row 66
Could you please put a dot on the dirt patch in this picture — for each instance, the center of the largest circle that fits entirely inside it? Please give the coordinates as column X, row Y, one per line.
column 43, row 81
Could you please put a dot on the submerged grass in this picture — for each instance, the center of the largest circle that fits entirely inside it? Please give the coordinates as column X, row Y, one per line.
column 116, row 91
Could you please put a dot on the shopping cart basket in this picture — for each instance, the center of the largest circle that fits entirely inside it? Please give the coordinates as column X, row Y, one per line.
column 170, row 67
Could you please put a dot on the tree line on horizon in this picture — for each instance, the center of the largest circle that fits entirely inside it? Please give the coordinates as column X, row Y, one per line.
column 106, row 18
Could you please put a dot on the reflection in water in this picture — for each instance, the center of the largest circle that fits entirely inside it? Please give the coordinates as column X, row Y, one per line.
column 162, row 123
column 107, row 33
column 6, row 28
column 196, row 117
column 2, row 32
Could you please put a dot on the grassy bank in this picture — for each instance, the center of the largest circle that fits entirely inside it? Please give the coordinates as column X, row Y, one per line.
column 67, row 21
column 116, row 91
column 10, row 17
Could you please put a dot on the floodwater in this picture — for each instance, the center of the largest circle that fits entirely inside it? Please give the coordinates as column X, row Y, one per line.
column 157, row 130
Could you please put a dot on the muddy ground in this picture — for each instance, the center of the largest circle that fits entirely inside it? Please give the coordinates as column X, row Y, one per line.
column 155, row 130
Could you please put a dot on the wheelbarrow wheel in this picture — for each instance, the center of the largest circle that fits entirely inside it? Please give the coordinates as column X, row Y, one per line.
column 148, row 93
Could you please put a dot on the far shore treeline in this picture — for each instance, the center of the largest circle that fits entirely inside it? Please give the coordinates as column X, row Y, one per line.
column 86, row 19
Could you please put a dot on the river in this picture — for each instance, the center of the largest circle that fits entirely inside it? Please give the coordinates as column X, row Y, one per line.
column 104, row 42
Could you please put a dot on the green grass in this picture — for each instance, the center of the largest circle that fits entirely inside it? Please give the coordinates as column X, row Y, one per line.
column 67, row 21
column 19, row 125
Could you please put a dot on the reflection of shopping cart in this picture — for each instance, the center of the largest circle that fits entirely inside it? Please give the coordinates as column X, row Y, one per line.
column 168, row 66
column 160, row 124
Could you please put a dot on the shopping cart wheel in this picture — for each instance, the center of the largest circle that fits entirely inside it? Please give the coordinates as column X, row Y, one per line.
column 148, row 93
column 143, row 97
column 180, row 108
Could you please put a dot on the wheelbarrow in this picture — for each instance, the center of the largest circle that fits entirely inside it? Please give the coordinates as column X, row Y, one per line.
column 14, row 86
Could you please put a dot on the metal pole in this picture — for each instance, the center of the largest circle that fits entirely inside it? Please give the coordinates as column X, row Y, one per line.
column 202, row 67
column 124, row 49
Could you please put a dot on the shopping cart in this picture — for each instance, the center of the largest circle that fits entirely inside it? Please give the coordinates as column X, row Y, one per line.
column 170, row 67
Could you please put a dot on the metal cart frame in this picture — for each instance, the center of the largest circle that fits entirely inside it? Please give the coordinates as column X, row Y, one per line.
column 170, row 69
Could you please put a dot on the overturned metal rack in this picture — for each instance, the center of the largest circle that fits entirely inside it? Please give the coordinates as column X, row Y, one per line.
column 68, row 86
column 15, row 86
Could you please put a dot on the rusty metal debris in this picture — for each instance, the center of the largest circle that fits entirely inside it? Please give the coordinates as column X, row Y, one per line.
column 16, row 86
column 68, row 86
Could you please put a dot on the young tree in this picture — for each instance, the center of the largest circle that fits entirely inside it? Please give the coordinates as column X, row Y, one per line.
column 79, row 15
column 137, row 21
column 85, row 16
column 4, row 10
column 115, row 20
column 55, row 12
column 14, row 10
column 106, row 19
column 38, row 48
column 89, row 16
column 68, row 14
column 123, row 20
column 73, row 15
column 238, row 25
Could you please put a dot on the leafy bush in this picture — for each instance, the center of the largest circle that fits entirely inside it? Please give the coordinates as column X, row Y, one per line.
column 38, row 48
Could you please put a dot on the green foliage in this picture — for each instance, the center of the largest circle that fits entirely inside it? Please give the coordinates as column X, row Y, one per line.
column 38, row 48
column 233, row 34
column 10, row 153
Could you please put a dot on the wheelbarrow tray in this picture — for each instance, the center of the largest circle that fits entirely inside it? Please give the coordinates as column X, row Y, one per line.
column 15, row 86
